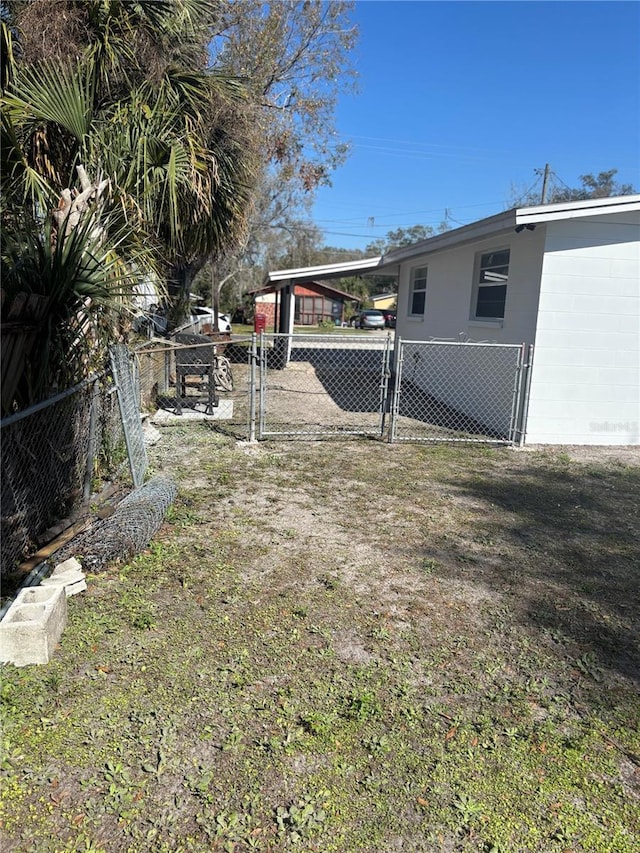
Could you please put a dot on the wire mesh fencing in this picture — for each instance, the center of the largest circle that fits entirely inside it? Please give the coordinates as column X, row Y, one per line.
column 340, row 384
column 128, row 391
column 154, row 365
column 322, row 385
column 160, row 383
column 307, row 386
column 136, row 519
column 240, row 389
column 52, row 454
column 457, row 391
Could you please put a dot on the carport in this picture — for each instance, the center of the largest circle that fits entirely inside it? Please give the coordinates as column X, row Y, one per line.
column 283, row 283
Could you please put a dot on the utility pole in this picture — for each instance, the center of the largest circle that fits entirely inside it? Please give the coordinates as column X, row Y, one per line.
column 545, row 181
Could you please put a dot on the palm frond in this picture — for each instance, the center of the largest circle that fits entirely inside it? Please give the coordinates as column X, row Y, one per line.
column 86, row 283
column 20, row 183
column 55, row 93
column 6, row 54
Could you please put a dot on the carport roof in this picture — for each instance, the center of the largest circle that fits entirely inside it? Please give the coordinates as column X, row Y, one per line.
column 271, row 288
column 280, row 278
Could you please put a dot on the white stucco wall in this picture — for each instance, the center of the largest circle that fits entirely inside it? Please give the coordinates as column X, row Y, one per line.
column 450, row 285
column 585, row 385
column 475, row 381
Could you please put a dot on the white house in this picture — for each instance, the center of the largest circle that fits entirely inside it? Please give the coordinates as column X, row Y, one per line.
column 563, row 277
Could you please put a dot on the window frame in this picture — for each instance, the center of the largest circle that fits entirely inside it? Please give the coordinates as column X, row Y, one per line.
column 479, row 286
column 413, row 291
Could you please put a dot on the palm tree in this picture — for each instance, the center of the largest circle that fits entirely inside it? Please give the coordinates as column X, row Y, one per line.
column 141, row 107
column 178, row 173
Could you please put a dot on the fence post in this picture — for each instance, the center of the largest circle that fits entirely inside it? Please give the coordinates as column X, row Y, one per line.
column 263, row 384
column 253, row 356
column 395, row 397
column 91, row 444
column 514, row 420
column 384, row 384
column 524, row 406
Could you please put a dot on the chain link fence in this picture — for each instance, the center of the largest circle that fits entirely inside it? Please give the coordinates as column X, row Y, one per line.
column 322, row 385
column 128, row 390
column 339, row 384
column 53, row 454
column 156, row 362
column 457, row 391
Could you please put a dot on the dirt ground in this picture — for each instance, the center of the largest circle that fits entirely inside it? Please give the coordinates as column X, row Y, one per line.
column 348, row 646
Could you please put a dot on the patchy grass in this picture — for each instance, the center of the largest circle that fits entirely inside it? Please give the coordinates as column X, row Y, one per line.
column 347, row 647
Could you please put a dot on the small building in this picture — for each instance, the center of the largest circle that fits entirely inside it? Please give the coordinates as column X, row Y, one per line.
column 384, row 301
column 301, row 297
column 314, row 304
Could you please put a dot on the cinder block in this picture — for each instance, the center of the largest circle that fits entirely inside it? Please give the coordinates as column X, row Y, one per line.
column 68, row 575
column 70, row 565
column 33, row 625
column 71, row 582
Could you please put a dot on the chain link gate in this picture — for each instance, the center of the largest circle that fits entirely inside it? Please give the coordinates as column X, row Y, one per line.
column 336, row 385
column 458, row 391
column 322, row 385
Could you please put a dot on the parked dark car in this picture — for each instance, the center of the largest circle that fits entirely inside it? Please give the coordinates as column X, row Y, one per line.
column 369, row 319
column 389, row 318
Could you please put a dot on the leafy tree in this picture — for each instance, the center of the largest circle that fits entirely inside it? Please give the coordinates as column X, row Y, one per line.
column 293, row 58
column 396, row 240
column 134, row 106
column 399, row 238
column 195, row 108
column 602, row 185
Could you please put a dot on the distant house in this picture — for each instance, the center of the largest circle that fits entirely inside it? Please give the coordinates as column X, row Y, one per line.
column 383, row 301
column 314, row 303
column 563, row 277
column 289, row 299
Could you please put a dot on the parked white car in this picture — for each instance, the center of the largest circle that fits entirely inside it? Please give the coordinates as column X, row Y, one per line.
column 202, row 317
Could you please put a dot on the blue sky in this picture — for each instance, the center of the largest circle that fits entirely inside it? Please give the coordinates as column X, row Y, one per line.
column 458, row 101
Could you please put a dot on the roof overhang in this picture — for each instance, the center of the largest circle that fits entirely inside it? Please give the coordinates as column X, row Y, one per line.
column 511, row 219
column 465, row 234
column 578, row 209
column 281, row 278
column 501, row 222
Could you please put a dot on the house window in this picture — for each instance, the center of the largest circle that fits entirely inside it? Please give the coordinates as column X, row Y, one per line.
column 491, row 285
column 418, row 293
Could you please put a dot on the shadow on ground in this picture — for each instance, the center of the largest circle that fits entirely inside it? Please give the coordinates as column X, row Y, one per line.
column 354, row 380
column 574, row 561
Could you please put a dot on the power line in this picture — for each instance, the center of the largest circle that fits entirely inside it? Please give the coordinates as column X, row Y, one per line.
column 406, row 213
column 558, row 178
column 417, row 142
column 524, row 194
